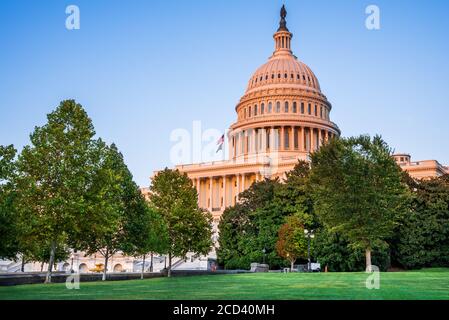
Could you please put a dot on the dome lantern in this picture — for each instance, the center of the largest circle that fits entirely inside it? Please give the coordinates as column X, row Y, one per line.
column 283, row 37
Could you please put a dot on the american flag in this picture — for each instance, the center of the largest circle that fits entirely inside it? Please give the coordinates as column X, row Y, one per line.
column 220, row 143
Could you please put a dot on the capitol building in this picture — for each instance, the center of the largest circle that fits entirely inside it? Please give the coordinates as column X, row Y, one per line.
column 282, row 117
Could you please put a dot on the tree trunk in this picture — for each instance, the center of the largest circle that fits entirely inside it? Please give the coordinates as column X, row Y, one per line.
column 151, row 263
column 105, row 270
column 143, row 267
column 42, row 266
column 169, row 265
column 368, row 259
column 52, row 261
column 22, row 268
column 292, row 265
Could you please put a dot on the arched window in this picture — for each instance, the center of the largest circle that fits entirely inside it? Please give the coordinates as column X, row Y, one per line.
column 279, row 75
column 249, row 112
column 302, row 107
column 285, row 76
column 295, row 107
column 270, row 107
column 272, row 76
column 262, row 108
column 297, row 77
column 316, row 111
column 244, row 112
column 321, row 111
column 255, row 110
column 278, row 107
column 309, row 107
column 286, row 107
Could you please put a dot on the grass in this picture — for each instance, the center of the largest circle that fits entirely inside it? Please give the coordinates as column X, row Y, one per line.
column 417, row 285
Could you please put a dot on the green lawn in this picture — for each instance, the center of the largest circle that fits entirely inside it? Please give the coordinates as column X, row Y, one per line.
column 423, row 284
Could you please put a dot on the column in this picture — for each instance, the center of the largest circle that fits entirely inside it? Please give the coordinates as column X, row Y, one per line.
column 211, row 205
column 312, row 142
column 255, row 140
column 243, row 183
column 224, row 192
column 292, row 138
column 282, row 139
column 237, row 177
column 198, row 189
column 302, row 145
column 319, row 138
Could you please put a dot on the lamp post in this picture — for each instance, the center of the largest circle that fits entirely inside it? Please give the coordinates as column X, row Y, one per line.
column 264, row 251
column 310, row 235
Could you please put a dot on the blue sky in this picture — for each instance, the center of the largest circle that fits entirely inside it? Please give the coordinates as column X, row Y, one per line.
column 144, row 68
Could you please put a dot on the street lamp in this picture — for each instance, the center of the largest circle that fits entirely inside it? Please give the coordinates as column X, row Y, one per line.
column 310, row 235
column 264, row 251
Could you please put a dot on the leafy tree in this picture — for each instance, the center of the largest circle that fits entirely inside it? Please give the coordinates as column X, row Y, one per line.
column 358, row 191
column 292, row 243
column 145, row 231
column 250, row 227
column 9, row 247
column 189, row 227
column 334, row 251
column 118, row 218
column 53, row 175
column 253, row 224
column 422, row 238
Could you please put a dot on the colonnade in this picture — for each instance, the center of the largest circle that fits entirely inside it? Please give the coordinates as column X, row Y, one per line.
column 277, row 138
column 217, row 192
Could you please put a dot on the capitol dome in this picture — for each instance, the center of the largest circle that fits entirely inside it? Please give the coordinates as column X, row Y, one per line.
column 282, row 70
column 283, row 108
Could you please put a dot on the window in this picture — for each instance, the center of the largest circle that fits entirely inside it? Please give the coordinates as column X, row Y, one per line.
column 286, row 107
column 309, row 107
column 262, row 108
column 249, row 112
column 316, row 111
column 295, row 108
column 304, row 77
column 270, row 107
column 321, row 112
column 285, row 76
column 302, row 107
column 266, row 77
column 297, row 77
column 261, row 78
column 255, row 110
column 279, row 75
column 292, row 76
column 272, row 76
column 245, row 112
column 278, row 107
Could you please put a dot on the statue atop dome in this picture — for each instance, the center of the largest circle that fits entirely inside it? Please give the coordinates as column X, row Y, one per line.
column 283, row 23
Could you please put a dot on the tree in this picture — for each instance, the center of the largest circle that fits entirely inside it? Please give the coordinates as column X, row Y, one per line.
column 252, row 225
column 248, row 231
column 53, row 176
column 334, row 251
column 292, row 243
column 118, row 217
column 189, row 227
column 145, row 231
column 357, row 190
column 9, row 247
column 422, row 237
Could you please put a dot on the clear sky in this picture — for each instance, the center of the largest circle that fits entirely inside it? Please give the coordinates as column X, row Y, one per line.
column 144, row 68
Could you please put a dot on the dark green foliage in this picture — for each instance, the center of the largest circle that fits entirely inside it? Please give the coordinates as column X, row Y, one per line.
column 358, row 190
column 9, row 246
column 422, row 239
column 188, row 227
column 253, row 224
column 335, row 252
